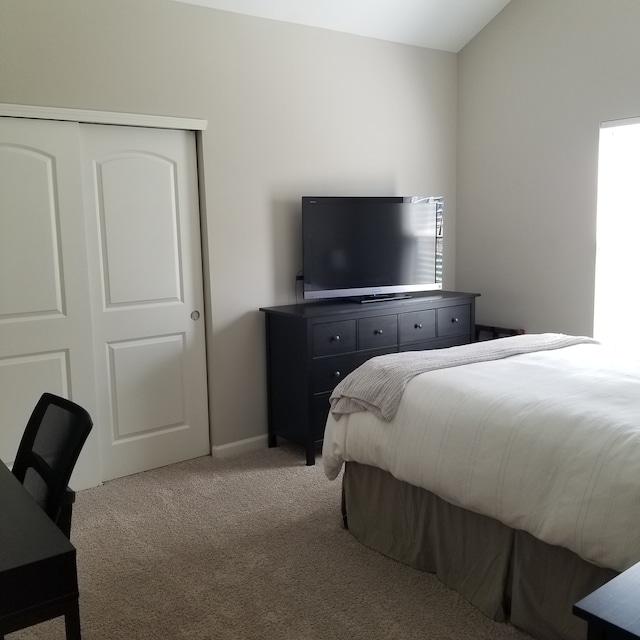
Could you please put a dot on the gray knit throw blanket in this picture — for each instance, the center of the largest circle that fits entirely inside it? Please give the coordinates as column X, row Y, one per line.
column 377, row 385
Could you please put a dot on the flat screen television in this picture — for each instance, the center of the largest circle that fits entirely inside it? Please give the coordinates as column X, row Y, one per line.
column 371, row 248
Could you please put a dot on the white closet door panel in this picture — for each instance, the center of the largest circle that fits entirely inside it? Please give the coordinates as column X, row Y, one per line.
column 45, row 313
column 29, row 233
column 143, row 183
column 20, row 378
column 143, row 218
column 153, row 369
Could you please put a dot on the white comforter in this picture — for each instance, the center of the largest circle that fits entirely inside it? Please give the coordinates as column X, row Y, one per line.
column 546, row 442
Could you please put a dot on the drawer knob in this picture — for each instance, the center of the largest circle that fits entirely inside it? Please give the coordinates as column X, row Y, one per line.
column 336, row 338
column 418, row 325
column 454, row 320
column 378, row 332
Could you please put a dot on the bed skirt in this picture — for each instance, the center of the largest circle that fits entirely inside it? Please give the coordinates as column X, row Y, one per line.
column 509, row 575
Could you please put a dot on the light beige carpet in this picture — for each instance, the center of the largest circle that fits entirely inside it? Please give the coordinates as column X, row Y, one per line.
column 249, row 548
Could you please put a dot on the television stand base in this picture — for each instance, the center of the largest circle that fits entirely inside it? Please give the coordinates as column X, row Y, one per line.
column 381, row 298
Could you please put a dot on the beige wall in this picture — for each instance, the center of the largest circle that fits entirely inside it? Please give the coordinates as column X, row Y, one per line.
column 292, row 111
column 533, row 89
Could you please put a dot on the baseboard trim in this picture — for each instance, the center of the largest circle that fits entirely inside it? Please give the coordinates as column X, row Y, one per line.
column 239, row 447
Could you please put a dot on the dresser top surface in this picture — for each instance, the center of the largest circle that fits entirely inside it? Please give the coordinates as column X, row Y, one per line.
column 345, row 306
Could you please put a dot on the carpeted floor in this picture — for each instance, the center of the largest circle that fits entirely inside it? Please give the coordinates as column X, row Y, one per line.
column 249, row 548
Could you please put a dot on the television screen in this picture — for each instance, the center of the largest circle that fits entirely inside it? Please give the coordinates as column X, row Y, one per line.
column 371, row 247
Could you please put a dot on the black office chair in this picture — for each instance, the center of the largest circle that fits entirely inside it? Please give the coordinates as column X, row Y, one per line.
column 48, row 452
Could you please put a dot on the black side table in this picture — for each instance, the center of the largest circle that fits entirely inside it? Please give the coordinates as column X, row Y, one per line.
column 613, row 611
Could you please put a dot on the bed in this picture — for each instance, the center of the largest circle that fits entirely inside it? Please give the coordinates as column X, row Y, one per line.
column 509, row 468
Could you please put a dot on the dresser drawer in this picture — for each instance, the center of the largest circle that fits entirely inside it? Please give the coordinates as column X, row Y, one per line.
column 454, row 321
column 327, row 372
column 381, row 331
column 416, row 326
column 334, row 337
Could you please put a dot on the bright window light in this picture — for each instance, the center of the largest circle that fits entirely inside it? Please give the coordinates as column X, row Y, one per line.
column 617, row 307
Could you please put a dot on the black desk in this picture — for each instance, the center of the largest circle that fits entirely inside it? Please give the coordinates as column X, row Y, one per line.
column 38, row 576
column 613, row 611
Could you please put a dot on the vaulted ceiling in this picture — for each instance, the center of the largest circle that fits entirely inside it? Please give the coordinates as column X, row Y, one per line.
column 435, row 24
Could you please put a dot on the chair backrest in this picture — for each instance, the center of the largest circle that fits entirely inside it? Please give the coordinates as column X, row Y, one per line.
column 49, row 450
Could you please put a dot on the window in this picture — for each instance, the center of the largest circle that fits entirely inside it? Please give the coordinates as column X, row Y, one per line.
column 617, row 305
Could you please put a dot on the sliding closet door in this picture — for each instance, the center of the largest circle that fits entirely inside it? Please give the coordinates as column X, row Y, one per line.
column 141, row 198
column 45, row 315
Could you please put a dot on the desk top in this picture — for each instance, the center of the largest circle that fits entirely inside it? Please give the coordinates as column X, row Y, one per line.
column 37, row 561
column 27, row 534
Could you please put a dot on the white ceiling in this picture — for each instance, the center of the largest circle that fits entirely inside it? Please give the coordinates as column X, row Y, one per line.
column 435, row 24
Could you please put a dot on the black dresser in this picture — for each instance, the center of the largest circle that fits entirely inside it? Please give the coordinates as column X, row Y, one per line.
column 312, row 346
